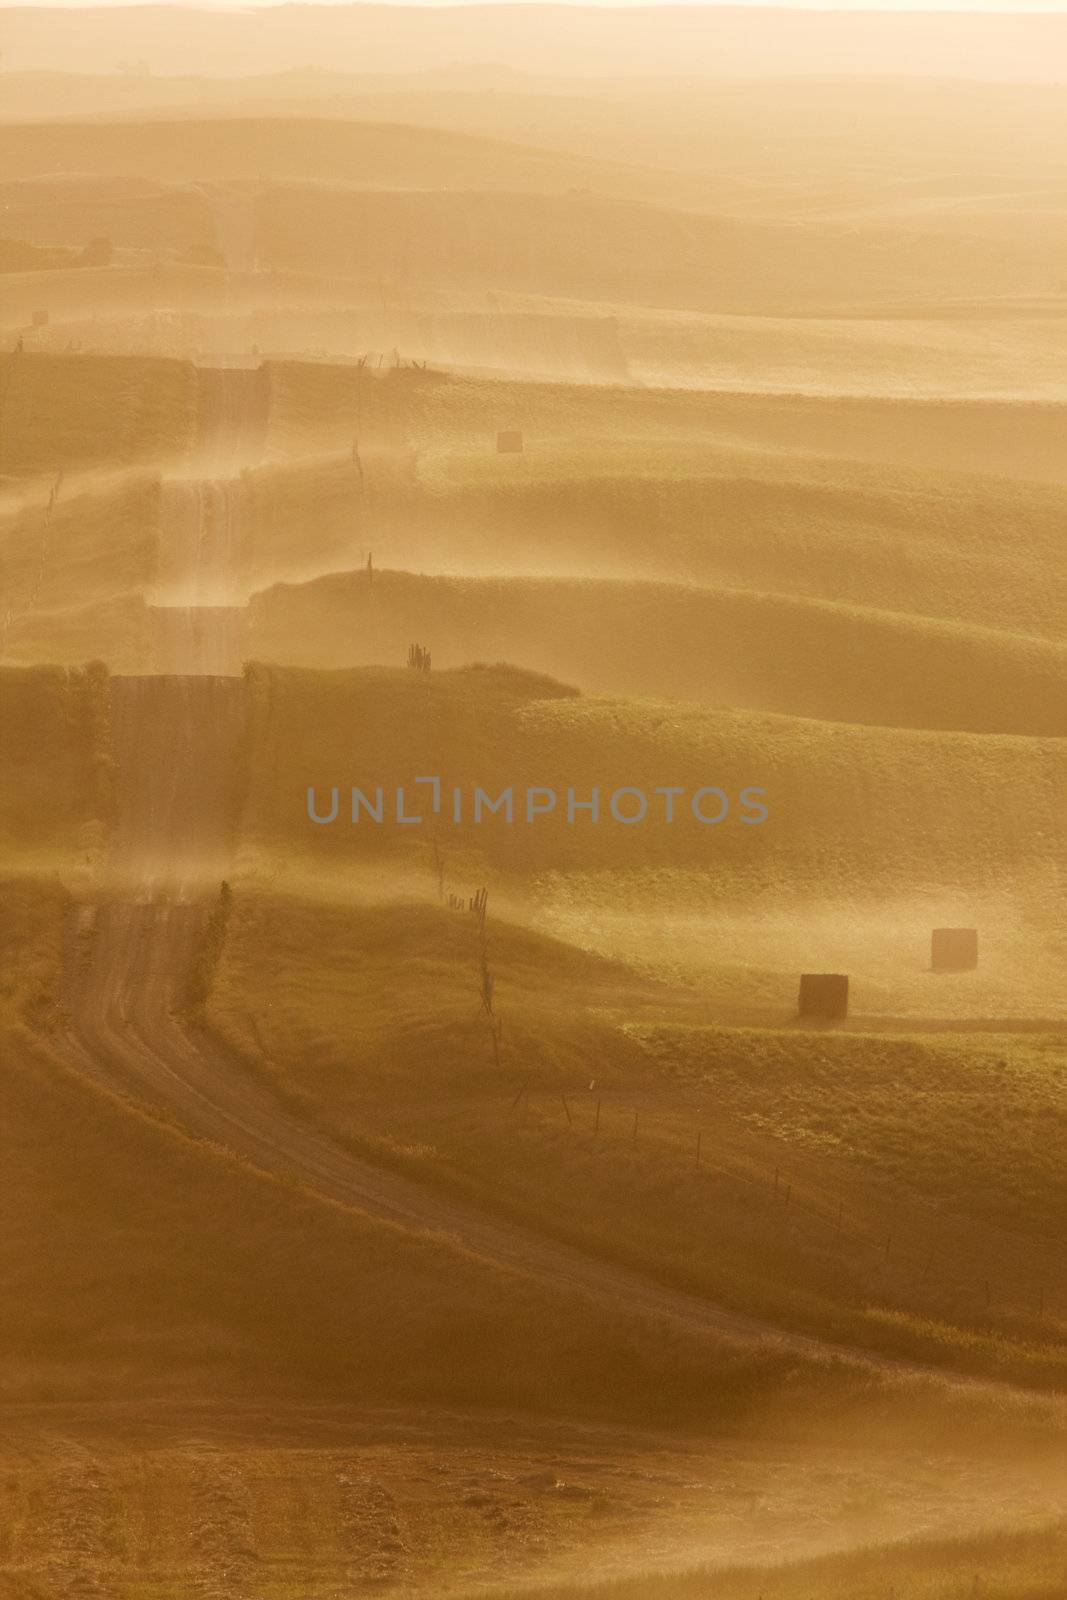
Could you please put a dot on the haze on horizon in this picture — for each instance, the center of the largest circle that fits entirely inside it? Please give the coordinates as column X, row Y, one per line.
column 994, row 7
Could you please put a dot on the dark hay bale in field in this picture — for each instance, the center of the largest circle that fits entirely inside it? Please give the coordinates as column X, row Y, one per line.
column 954, row 949
column 824, row 995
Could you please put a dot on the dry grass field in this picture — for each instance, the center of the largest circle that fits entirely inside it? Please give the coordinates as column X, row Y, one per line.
column 1027, row 1566
column 545, row 402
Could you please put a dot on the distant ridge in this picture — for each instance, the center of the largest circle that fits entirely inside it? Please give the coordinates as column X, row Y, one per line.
column 567, row 40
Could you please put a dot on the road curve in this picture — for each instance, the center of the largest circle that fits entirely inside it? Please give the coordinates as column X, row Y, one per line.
column 174, row 740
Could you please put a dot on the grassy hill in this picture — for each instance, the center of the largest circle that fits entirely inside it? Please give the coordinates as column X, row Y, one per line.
column 588, row 247
column 96, row 305
column 587, row 1125
column 377, row 1028
column 452, row 422
column 97, row 540
column 54, row 805
column 285, row 1292
column 1012, row 353
column 70, row 208
column 179, row 1273
column 1003, row 438
column 1000, row 351
column 59, row 413
column 737, row 648
column 874, row 835
column 53, row 744
column 966, row 548
column 571, row 242
column 1020, row 1564
column 118, row 632
column 851, row 805
column 991, row 351
column 582, row 432
column 766, row 143
column 359, row 154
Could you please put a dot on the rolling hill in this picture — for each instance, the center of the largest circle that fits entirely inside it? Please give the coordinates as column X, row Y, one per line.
column 869, row 842
column 805, row 658
column 575, row 244
column 357, row 154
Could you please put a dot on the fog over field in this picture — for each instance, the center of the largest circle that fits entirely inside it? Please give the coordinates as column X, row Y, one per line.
column 533, row 718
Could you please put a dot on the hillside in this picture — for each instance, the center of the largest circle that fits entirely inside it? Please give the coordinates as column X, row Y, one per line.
column 55, row 805
column 571, row 242
column 586, row 247
column 135, row 213
column 974, row 349
column 734, row 648
column 358, row 154
column 53, row 746
column 59, row 413
column 141, row 408
column 400, row 1062
column 1003, row 438
column 795, row 142
column 874, row 835
column 496, row 728
column 967, row 548
column 87, row 541
column 1022, row 1564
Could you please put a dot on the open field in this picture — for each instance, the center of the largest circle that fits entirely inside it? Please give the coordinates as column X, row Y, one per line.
column 449, row 424
column 892, row 856
column 577, row 243
column 1012, row 1566
column 733, row 647
column 428, row 1502
column 589, row 1122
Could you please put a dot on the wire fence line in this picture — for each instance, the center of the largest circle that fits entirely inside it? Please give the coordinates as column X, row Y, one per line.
column 621, row 1122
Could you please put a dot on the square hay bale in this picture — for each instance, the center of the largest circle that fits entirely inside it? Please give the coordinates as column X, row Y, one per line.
column 824, row 995
column 509, row 442
column 954, row 949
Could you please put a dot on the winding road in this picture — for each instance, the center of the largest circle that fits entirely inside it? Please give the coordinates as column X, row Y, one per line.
column 175, row 740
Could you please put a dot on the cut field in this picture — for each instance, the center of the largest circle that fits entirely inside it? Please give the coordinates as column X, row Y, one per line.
column 1026, row 1564
column 62, row 413
column 842, row 1187
column 852, row 810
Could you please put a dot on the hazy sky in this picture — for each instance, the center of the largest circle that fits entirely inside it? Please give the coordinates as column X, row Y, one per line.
column 1015, row 7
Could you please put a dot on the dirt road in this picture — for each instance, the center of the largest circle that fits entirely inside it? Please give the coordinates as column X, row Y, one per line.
column 198, row 615
column 176, row 742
